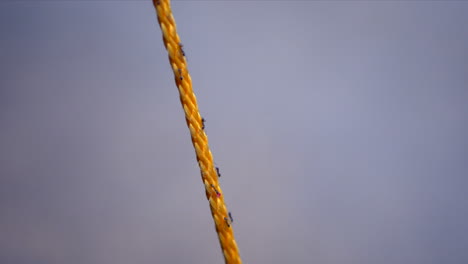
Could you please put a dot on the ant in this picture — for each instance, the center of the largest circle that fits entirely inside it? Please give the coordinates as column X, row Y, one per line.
column 217, row 172
column 228, row 221
column 182, row 49
column 216, row 191
column 180, row 74
column 203, row 123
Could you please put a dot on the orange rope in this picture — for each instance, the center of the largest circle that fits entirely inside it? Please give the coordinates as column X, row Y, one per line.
column 194, row 121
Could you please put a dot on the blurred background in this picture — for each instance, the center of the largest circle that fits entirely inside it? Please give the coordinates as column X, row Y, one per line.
column 340, row 129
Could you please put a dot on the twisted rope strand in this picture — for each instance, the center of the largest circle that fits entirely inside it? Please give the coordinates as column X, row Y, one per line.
column 195, row 124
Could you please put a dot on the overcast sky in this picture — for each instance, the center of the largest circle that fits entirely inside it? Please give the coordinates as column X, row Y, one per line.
column 340, row 129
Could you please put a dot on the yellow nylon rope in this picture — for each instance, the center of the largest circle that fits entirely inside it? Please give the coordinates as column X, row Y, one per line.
column 195, row 124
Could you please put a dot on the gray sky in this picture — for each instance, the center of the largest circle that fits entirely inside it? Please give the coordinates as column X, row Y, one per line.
column 340, row 129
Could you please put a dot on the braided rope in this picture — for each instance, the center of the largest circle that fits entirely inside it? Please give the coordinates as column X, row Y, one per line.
column 199, row 139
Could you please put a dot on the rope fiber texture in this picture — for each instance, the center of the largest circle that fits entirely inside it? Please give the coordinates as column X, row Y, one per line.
column 195, row 124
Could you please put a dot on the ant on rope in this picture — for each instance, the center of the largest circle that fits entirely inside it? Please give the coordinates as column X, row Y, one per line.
column 182, row 49
column 218, row 194
column 229, row 221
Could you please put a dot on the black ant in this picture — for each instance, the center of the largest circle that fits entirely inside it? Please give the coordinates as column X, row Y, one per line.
column 180, row 74
column 230, row 217
column 182, row 49
column 228, row 221
column 216, row 191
